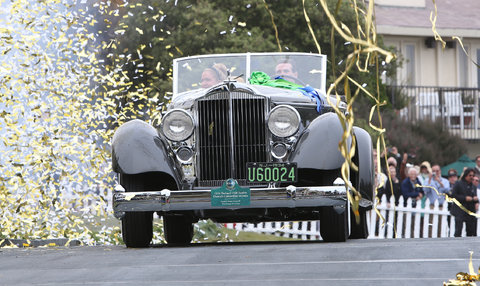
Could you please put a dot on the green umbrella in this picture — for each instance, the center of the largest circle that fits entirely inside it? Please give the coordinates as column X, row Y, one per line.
column 458, row 165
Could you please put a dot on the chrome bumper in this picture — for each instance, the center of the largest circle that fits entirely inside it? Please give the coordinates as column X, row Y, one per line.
column 167, row 200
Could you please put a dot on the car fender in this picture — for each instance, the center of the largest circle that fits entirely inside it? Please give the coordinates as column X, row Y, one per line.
column 317, row 146
column 137, row 148
column 364, row 159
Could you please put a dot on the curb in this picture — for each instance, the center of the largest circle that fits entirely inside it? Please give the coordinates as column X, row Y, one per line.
column 23, row 243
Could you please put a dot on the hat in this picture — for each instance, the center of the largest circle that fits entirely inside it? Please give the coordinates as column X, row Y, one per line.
column 426, row 165
column 452, row 173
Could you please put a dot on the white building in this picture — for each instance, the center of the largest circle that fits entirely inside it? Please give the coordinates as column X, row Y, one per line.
column 441, row 83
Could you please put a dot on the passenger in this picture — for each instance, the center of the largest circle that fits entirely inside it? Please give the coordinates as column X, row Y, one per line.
column 213, row 75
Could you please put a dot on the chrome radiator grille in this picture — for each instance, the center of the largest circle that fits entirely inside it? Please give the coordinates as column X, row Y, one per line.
column 214, row 143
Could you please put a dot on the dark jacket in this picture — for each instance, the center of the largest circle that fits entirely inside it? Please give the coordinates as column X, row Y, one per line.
column 460, row 191
column 396, row 191
column 410, row 191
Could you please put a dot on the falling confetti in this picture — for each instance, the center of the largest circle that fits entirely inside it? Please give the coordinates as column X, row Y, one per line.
column 60, row 95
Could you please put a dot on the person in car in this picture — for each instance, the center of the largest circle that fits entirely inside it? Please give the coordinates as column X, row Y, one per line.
column 287, row 70
column 213, row 75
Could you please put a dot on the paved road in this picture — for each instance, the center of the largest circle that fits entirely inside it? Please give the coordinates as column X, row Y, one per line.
column 356, row 262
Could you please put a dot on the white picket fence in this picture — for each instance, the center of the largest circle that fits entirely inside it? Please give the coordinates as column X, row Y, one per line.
column 305, row 230
column 410, row 222
column 395, row 222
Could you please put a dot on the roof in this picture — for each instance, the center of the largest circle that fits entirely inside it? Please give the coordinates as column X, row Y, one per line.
column 454, row 18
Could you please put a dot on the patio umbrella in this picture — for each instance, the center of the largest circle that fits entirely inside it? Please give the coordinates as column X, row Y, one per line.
column 458, row 165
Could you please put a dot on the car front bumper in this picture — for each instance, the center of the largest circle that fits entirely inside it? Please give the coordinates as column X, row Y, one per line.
column 185, row 200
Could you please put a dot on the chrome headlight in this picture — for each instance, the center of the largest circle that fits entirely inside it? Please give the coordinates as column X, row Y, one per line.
column 177, row 125
column 283, row 121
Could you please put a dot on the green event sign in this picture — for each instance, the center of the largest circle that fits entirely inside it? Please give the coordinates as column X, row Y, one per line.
column 230, row 194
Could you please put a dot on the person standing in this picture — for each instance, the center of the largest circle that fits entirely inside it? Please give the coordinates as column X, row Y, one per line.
column 438, row 183
column 409, row 187
column 477, row 166
column 465, row 193
column 452, row 178
column 393, row 152
column 380, row 177
column 476, row 184
column 402, row 173
column 392, row 186
column 425, row 173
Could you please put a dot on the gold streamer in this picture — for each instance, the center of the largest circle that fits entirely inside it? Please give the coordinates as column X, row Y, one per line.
column 433, row 20
column 451, row 200
column 274, row 26
column 463, row 278
column 307, row 19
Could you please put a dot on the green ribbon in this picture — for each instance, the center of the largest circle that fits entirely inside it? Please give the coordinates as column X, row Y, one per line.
column 261, row 78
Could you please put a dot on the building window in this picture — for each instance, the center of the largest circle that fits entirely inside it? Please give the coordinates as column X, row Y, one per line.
column 410, row 64
column 391, row 77
column 463, row 67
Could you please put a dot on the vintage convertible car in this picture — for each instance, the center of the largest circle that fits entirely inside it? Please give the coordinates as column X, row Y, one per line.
column 248, row 148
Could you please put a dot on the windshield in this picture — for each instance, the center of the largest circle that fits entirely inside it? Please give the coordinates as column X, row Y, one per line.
column 205, row 71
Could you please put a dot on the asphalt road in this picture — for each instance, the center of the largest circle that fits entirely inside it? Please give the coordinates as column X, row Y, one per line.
column 356, row 262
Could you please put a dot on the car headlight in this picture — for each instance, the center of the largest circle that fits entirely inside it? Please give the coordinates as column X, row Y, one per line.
column 177, row 125
column 283, row 121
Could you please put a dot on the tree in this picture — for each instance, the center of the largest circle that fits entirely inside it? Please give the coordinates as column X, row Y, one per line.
column 159, row 31
column 425, row 139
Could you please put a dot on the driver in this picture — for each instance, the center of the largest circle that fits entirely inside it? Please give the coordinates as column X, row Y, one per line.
column 286, row 68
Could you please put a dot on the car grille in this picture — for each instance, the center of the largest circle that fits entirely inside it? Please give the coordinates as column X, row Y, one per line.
column 214, row 162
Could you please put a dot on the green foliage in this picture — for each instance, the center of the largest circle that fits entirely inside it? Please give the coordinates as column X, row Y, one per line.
column 207, row 230
column 163, row 30
column 426, row 139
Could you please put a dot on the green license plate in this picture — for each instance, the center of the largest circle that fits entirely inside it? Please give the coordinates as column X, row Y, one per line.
column 271, row 172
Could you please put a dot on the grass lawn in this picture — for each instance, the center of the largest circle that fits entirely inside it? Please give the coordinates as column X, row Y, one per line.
column 205, row 231
column 253, row 236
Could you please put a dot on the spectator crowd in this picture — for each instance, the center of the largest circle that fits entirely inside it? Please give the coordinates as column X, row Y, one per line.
column 424, row 184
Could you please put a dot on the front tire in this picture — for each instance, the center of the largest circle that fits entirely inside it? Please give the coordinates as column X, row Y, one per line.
column 177, row 229
column 334, row 226
column 360, row 230
column 137, row 227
